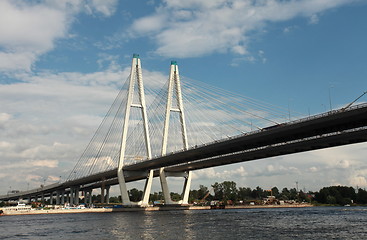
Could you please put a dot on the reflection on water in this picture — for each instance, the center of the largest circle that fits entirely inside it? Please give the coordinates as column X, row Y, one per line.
column 306, row 223
column 148, row 224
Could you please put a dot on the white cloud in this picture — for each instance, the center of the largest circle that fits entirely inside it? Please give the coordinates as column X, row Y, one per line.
column 313, row 169
column 44, row 163
column 276, row 170
column 27, row 31
column 105, row 7
column 48, row 118
column 4, row 117
column 196, row 28
column 5, row 145
column 149, row 24
column 28, row 166
column 211, row 173
column 290, row 29
column 359, row 181
column 314, row 19
column 30, row 29
column 343, row 164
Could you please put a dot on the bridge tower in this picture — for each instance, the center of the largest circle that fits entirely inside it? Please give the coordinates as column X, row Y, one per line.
column 174, row 91
column 135, row 79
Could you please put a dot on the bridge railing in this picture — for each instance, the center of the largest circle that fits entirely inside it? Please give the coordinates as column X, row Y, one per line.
column 31, row 192
column 362, row 105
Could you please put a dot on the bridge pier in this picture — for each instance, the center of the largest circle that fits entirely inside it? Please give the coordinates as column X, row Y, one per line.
column 103, row 191
column 164, row 185
column 74, row 195
column 85, row 192
column 174, row 87
column 186, row 188
column 90, row 197
column 62, row 197
column 165, row 189
column 71, row 196
column 135, row 79
column 76, row 200
column 51, row 198
column 108, row 194
column 58, row 197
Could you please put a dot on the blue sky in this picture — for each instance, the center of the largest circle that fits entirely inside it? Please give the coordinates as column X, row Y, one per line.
column 62, row 62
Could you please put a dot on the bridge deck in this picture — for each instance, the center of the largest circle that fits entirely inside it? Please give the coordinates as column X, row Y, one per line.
column 334, row 128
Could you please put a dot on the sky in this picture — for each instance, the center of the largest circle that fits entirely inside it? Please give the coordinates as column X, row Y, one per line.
column 62, row 64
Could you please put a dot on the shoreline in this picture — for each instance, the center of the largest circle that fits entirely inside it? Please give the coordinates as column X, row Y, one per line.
column 135, row 209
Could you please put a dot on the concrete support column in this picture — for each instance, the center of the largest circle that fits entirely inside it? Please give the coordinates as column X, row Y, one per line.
column 164, row 185
column 102, row 193
column 108, row 194
column 186, row 188
column 90, row 196
column 51, row 198
column 85, row 193
column 62, row 197
column 147, row 188
column 72, row 190
column 43, row 198
column 58, row 197
column 29, row 199
column 77, row 195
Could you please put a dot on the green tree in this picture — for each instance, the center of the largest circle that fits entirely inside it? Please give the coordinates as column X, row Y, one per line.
column 175, row 196
column 275, row 192
column 198, row 195
column 244, row 193
column 229, row 191
column 135, row 195
column 343, row 195
column 96, row 198
column 258, row 193
column 114, row 200
column 330, row 199
column 285, row 195
column 362, row 196
column 293, row 195
column 218, row 191
column 193, row 196
column 202, row 192
column 156, row 196
column 303, row 197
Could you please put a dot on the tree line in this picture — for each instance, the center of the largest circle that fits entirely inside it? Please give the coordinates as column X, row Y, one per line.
column 341, row 195
column 228, row 192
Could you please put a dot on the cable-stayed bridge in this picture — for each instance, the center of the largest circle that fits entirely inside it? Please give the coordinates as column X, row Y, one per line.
column 169, row 131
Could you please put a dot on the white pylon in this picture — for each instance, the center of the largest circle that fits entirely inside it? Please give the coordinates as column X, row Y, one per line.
column 174, row 83
column 135, row 77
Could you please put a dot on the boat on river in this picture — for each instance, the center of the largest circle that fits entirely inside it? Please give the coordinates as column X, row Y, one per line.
column 21, row 207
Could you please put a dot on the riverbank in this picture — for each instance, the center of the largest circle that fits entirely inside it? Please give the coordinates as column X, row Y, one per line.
column 134, row 209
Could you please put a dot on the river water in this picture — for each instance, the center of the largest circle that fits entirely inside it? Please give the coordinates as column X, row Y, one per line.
column 285, row 223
